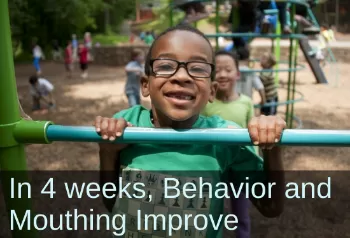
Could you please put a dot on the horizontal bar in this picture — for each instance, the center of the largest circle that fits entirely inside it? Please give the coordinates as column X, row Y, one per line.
column 200, row 136
column 257, row 35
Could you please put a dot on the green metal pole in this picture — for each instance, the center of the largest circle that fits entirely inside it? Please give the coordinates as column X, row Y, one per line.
column 217, row 22
column 277, row 50
column 296, row 48
column 12, row 155
column 288, row 117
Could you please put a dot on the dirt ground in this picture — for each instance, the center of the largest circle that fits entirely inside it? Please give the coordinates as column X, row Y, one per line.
column 324, row 107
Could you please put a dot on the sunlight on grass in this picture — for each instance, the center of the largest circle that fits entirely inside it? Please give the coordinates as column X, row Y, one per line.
column 110, row 39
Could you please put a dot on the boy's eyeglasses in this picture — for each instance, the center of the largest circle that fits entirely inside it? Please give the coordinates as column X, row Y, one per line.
column 169, row 67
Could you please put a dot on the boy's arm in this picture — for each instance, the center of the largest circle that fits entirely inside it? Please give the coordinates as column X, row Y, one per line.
column 273, row 169
column 109, row 161
column 133, row 69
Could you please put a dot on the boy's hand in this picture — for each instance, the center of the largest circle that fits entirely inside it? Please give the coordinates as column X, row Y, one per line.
column 111, row 129
column 265, row 131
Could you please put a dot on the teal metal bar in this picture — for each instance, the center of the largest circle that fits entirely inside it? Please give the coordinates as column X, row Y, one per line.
column 198, row 136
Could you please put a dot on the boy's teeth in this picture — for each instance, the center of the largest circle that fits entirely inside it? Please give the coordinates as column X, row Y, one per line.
column 182, row 97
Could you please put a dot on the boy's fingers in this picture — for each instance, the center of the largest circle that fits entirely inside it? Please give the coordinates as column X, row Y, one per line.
column 111, row 129
column 120, row 126
column 104, row 128
column 280, row 126
column 232, row 127
column 97, row 123
column 262, row 130
column 271, row 131
column 253, row 130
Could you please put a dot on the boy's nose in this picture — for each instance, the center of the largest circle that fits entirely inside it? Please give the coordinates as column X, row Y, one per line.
column 182, row 76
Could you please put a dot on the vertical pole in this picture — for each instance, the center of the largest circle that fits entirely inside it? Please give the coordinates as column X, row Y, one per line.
column 12, row 155
column 277, row 51
column 217, row 23
column 137, row 6
column 295, row 60
column 336, row 14
column 288, row 116
column 171, row 15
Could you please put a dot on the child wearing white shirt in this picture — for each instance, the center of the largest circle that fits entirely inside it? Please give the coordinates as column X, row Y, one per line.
column 41, row 90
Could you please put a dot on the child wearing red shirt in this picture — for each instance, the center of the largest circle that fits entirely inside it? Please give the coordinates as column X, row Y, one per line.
column 83, row 58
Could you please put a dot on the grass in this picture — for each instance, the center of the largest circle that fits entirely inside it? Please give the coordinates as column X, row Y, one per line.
column 110, row 39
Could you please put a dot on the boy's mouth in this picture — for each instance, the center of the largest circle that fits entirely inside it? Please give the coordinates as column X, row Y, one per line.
column 180, row 96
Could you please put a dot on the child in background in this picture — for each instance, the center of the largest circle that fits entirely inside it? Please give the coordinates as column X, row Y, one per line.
column 134, row 71
column 267, row 78
column 238, row 108
column 41, row 90
column 248, row 80
column 68, row 59
column 149, row 38
column 179, row 80
column 37, row 56
column 228, row 103
column 56, row 51
column 325, row 37
column 75, row 46
column 83, row 59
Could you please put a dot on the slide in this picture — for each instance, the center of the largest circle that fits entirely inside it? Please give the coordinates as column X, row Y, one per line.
column 313, row 62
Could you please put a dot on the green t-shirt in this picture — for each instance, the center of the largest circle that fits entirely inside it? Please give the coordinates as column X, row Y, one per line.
column 239, row 111
column 151, row 163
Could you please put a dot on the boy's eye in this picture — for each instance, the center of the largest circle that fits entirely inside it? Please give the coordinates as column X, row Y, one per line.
column 164, row 67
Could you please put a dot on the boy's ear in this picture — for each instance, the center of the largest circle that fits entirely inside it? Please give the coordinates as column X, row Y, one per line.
column 145, row 86
column 213, row 89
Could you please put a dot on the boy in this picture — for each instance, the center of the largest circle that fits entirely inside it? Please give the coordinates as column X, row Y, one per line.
column 248, row 80
column 134, row 71
column 149, row 38
column 38, row 55
column 68, row 59
column 267, row 78
column 83, row 59
column 41, row 90
column 238, row 108
column 75, row 46
column 180, row 69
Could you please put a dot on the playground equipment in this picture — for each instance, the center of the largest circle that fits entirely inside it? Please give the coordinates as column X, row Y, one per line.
column 294, row 38
column 16, row 132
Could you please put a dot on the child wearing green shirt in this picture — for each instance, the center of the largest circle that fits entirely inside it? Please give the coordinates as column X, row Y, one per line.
column 180, row 71
column 238, row 108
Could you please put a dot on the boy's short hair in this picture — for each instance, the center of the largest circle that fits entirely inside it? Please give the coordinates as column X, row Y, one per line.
column 135, row 53
column 325, row 25
column 33, row 79
column 230, row 54
column 271, row 58
column 179, row 27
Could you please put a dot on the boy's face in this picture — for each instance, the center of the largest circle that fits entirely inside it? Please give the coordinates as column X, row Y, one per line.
column 180, row 97
column 226, row 73
column 140, row 58
column 265, row 62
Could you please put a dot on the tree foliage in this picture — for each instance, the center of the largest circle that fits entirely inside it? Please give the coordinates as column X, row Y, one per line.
column 48, row 20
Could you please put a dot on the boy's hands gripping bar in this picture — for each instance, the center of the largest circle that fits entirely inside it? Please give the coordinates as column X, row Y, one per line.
column 136, row 135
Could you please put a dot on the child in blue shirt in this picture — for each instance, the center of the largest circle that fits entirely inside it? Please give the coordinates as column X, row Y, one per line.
column 134, row 71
